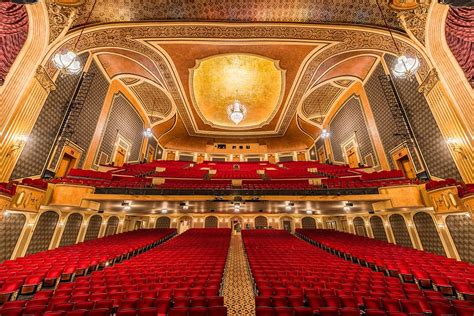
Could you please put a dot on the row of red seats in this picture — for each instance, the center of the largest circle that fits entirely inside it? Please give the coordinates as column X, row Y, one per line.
column 8, row 189
column 355, row 182
column 427, row 269
column 433, row 184
column 27, row 274
column 196, row 184
column 90, row 174
column 278, row 185
column 466, row 190
column 292, row 276
column 180, row 275
column 236, row 174
column 383, row 175
column 36, row 183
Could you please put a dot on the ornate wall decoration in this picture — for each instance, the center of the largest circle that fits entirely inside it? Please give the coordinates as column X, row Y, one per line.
column 157, row 104
column 359, row 226
column 378, row 229
column 44, row 79
column 60, row 19
column 400, row 230
column 112, row 225
column 308, row 223
column 415, row 20
column 429, row 82
column 317, row 104
column 93, row 228
column 43, row 233
column 10, row 230
column 71, row 230
column 348, row 40
column 428, row 234
column 461, row 229
column 163, row 222
column 261, row 222
column 211, row 222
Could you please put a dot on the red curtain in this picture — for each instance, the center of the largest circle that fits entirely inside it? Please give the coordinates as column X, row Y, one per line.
column 460, row 38
column 13, row 34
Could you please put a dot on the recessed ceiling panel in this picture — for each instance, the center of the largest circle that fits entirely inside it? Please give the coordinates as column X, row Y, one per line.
column 255, row 81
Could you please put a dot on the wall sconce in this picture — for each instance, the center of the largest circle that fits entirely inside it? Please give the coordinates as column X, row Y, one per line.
column 441, row 225
column 455, row 145
column 18, row 142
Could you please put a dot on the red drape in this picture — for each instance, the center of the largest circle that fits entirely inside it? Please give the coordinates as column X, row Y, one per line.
column 460, row 38
column 13, row 34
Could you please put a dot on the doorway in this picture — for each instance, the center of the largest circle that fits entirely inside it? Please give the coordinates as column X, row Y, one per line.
column 65, row 165
column 403, row 162
column 352, row 158
column 321, row 154
column 287, row 226
column 138, row 225
column 151, row 154
column 120, row 156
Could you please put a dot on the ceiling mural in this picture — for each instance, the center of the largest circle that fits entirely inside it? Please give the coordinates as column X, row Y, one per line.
column 364, row 12
column 255, row 81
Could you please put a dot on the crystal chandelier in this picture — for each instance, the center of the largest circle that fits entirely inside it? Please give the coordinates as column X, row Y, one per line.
column 148, row 133
column 67, row 62
column 325, row 134
column 236, row 112
column 406, row 67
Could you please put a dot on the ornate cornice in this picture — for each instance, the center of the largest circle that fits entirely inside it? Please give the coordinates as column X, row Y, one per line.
column 60, row 19
column 429, row 82
column 134, row 37
column 44, row 79
column 414, row 21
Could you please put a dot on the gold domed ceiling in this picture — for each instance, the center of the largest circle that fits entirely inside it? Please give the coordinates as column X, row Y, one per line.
column 255, row 81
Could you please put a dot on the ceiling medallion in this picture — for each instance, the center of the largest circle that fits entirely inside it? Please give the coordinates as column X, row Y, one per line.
column 236, row 112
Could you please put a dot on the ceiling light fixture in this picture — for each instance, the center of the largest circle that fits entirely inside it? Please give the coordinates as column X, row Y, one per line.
column 325, row 134
column 67, row 60
column 406, row 66
column 148, row 133
column 164, row 211
column 236, row 112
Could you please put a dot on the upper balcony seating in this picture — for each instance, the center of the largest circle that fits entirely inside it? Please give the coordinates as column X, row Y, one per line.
column 196, row 184
column 294, row 278
column 89, row 174
column 466, row 190
column 182, row 275
column 278, row 185
column 383, row 175
column 27, row 274
column 236, row 174
column 433, row 185
column 8, row 189
column 411, row 265
column 36, row 183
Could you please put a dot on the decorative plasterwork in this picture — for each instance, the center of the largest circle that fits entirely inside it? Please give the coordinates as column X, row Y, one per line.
column 317, row 103
column 342, row 38
column 60, row 18
column 294, row 11
column 155, row 101
column 414, row 21
column 429, row 82
column 44, row 79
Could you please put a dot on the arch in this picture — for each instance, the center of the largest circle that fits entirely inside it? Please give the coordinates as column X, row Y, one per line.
column 112, row 225
column 287, row 223
column 359, row 226
column 211, row 222
column 378, row 228
column 428, row 233
column 93, row 228
column 308, row 223
column 461, row 229
column 71, row 229
column 43, row 232
column 400, row 230
column 10, row 230
column 261, row 222
column 163, row 222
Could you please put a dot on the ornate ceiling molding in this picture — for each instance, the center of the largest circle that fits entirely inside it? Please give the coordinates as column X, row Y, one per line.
column 135, row 36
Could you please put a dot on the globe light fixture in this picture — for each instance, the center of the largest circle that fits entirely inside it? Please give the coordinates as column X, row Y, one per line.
column 147, row 133
column 406, row 67
column 236, row 112
column 325, row 134
column 67, row 62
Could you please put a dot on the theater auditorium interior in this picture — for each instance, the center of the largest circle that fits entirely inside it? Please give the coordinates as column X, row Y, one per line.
column 236, row 157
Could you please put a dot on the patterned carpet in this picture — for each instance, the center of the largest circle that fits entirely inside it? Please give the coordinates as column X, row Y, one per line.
column 238, row 285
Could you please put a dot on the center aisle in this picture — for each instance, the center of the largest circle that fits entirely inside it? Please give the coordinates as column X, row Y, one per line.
column 238, row 287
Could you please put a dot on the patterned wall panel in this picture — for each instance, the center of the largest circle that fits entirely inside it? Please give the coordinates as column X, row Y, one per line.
column 320, row 100
column 155, row 101
column 35, row 153
column 71, row 230
column 383, row 117
column 10, row 230
column 261, row 222
column 462, row 232
column 308, row 223
column 432, row 145
column 359, row 226
column 428, row 234
column 43, row 233
column 163, row 222
column 123, row 119
column 400, row 230
column 152, row 143
column 210, row 222
column 93, row 228
column 378, row 229
column 348, row 120
column 112, row 225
